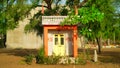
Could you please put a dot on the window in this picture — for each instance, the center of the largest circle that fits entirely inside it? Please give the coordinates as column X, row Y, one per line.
column 59, row 39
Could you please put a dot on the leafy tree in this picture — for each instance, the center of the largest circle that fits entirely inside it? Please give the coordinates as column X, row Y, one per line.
column 85, row 18
column 116, row 26
column 96, row 19
column 11, row 11
column 49, row 10
column 75, row 4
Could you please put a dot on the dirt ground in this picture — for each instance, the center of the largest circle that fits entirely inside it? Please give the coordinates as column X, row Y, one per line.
column 14, row 59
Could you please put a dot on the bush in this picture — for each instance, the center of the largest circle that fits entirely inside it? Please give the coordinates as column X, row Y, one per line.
column 83, row 57
column 40, row 56
column 88, row 57
column 29, row 58
column 41, row 59
column 80, row 60
column 51, row 60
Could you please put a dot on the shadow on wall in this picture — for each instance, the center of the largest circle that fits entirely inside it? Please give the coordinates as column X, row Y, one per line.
column 35, row 24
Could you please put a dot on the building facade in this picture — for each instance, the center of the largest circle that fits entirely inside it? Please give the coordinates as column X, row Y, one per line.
column 59, row 40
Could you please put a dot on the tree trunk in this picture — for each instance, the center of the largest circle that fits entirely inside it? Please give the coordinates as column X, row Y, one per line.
column 49, row 6
column 4, row 41
column 99, row 44
column 76, row 9
column 49, row 3
column 108, row 42
column 114, row 38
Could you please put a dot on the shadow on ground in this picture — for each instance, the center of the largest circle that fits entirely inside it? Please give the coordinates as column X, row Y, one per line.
column 18, row 52
column 110, row 55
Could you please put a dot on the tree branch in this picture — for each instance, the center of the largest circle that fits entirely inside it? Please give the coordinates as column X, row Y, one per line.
column 41, row 6
column 82, row 3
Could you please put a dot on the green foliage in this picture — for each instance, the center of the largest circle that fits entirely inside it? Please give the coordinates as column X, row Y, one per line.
column 41, row 59
column 52, row 60
column 105, row 27
column 71, row 3
column 83, row 57
column 40, row 56
column 80, row 60
column 96, row 18
column 29, row 58
column 11, row 12
column 33, row 25
column 88, row 57
column 90, row 14
column 1, row 43
column 84, row 31
column 85, row 17
column 64, row 11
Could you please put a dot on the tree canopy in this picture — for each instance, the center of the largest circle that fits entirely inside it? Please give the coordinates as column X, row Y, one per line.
column 96, row 18
column 11, row 12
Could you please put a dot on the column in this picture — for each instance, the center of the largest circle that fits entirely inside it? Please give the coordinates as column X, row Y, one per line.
column 75, row 47
column 45, row 41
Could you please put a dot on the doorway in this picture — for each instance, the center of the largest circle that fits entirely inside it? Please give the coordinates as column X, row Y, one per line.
column 59, row 45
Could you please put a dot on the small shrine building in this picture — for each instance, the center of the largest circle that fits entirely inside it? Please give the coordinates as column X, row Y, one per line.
column 59, row 40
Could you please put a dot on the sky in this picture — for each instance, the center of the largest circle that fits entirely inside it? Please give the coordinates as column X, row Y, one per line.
column 63, row 1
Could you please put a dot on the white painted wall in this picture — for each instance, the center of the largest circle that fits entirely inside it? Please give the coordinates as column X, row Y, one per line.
column 17, row 38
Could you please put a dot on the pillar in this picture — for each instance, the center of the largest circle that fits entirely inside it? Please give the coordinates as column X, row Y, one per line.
column 75, row 47
column 45, row 41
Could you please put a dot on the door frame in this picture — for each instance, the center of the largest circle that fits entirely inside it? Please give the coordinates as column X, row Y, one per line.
column 46, row 28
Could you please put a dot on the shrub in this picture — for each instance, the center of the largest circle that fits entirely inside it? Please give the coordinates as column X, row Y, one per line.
column 88, row 57
column 29, row 58
column 55, row 59
column 80, row 61
column 51, row 60
column 82, row 58
column 41, row 59
column 40, row 56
